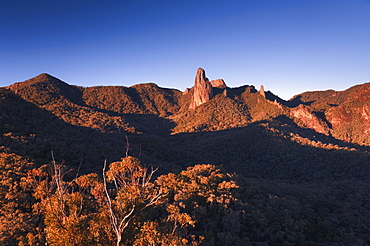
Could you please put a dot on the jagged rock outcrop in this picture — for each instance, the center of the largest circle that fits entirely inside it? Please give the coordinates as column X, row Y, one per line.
column 187, row 90
column 306, row 117
column 219, row 83
column 276, row 103
column 202, row 90
column 262, row 91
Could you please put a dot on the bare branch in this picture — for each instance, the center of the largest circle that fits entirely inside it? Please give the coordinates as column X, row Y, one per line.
column 59, row 189
column 128, row 176
column 78, row 169
column 113, row 218
column 127, row 145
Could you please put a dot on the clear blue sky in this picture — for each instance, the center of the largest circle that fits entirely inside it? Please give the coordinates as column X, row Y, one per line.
column 289, row 46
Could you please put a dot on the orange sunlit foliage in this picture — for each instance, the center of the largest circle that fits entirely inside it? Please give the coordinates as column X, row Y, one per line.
column 19, row 224
column 125, row 207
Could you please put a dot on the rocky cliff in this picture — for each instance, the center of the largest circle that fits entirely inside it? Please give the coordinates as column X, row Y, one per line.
column 219, row 83
column 202, row 90
column 308, row 119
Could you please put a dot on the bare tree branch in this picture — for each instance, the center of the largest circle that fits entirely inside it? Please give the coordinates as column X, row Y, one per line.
column 133, row 193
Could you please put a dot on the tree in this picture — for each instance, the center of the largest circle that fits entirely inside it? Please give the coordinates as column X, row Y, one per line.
column 197, row 201
column 70, row 210
column 126, row 208
column 19, row 225
column 132, row 193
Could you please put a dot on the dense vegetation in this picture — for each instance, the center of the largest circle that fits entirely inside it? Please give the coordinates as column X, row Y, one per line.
column 268, row 179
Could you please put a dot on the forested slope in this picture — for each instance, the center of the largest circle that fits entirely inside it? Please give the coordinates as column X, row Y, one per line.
column 244, row 168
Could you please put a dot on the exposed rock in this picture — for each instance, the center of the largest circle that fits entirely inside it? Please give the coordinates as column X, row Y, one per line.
column 187, row 90
column 276, row 103
column 262, row 91
column 355, row 118
column 219, row 83
column 338, row 116
column 202, row 90
column 309, row 119
column 365, row 117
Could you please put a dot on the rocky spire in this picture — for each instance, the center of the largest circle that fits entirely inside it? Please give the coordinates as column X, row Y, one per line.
column 202, row 91
column 262, row 91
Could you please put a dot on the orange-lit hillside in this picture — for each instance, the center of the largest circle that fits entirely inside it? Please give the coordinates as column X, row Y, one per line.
column 213, row 165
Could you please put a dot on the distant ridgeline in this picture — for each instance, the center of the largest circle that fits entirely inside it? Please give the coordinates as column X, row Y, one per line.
column 207, row 106
column 276, row 172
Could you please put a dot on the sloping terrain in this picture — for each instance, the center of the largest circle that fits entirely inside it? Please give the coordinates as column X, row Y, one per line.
column 33, row 132
column 343, row 115
column 347, row 111
column 234, row 127
column 138, row 99
column 302, row 166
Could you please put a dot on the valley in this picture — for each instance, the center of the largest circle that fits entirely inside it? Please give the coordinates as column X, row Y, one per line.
column 297, row 171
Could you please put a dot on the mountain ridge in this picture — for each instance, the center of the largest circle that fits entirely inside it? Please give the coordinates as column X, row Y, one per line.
column 329, row 112
column 301, row 170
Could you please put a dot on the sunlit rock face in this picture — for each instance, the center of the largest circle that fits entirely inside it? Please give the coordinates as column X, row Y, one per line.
column 262, row 91
column 310, row 120
column 219, row 83
column 202, row 90
column 187, row 91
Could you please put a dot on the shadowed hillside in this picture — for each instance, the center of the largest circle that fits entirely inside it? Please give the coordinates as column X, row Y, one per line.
column 33, row 132
column 340, row 114
column 296, row 172
column 140, row 111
